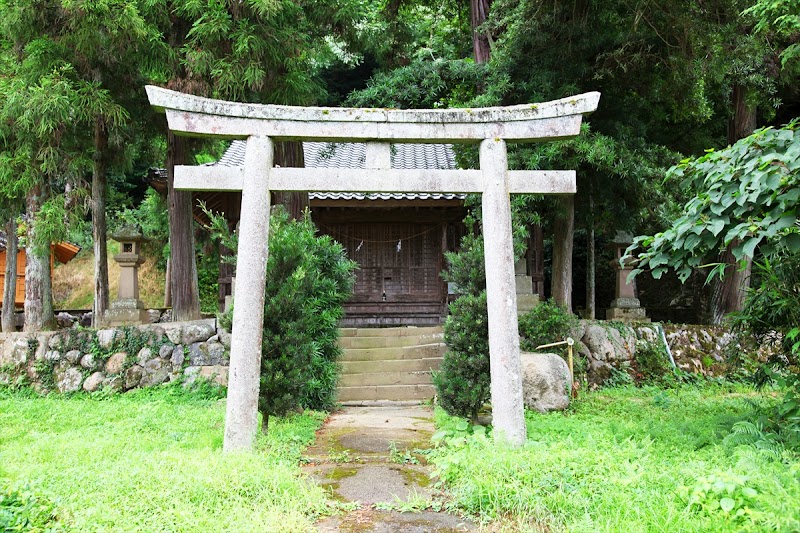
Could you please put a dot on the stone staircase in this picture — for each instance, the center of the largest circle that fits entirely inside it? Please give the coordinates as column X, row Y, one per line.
column 389, row 364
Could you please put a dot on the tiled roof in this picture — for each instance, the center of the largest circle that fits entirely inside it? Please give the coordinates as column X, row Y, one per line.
column 383, row 196
column 353, row 155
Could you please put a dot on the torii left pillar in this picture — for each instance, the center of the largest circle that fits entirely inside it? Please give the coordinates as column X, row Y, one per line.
column 241, row 416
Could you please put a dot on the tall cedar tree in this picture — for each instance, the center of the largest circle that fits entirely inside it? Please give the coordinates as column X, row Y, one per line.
column 96, row 49
column 242, row 51
column 47, row 112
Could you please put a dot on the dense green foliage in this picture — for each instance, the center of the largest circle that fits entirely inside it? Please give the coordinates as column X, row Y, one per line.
column 771, row 315
column 627, row 459
column 545, row 323
column 308, row 280
column 22, row 510
column 150, row 460
column 463, row 381
column 745, row 195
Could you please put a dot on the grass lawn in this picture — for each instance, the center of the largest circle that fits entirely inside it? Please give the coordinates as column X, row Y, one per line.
column 627, row 460
column 151, row 461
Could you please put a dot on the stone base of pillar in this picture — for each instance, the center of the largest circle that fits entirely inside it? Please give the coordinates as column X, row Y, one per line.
column 526, row 302
column 524, row 284
column 626, row 303
column 125, row 317
column 637, row 314
column 126, row 312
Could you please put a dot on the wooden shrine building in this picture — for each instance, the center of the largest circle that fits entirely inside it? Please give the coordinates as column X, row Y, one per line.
column 397, row 239
column 63, row 252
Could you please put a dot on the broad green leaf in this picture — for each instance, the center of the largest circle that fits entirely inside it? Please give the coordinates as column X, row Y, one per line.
column 749, row 247
column 727, row 504
column 792, row 242
column 749, row 492
column 716, row 226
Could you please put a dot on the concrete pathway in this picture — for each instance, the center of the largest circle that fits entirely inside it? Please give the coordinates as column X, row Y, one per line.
column 369, row 455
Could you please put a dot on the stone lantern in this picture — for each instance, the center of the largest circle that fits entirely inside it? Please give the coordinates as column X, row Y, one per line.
column 128, row 308
column 626, row 305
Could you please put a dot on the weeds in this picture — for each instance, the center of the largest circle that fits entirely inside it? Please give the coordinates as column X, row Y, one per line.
column 404, row 457
column 23, row 510
column 414, row 503
column 151, row 460
column 627, row 459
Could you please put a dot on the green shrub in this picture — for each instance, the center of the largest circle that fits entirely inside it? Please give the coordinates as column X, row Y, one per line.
column 547, row 322
column 463, row 381
column 651, row 364
column 208, row 284
column 771, row 315
column 22, row 510
column 308, row 280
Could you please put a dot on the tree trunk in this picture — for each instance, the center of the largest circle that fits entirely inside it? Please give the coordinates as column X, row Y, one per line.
column 183, row 264
column 590, row 263
column 38, row 285
column 290, row 154
column 10, row 285
column 537, row 260
column 479, row 11
column 99, row 229
column 264, row 422
column 730, row 291
column 167, row 285
column 563, row 230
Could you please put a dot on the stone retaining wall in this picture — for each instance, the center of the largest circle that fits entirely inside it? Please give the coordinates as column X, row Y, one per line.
column 123, row 358
column 609, row 346
column 75, row 359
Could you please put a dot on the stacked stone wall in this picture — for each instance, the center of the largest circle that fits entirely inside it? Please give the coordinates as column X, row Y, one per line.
column 606, row 347
column 121, row 359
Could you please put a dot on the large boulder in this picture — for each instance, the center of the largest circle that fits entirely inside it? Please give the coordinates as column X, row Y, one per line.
column 105, row 338
column 216, row 374
column 17, row 355
column 73, row 356
column 156, row 371
column 116, row 363
column 89, row 361
column 196, row 332
column 610, row 344
column 93, row 382
column 177, row 358
column 144, row 355
column 207, row 354
column 67, row 378
column 546, row 382
column 133, row 376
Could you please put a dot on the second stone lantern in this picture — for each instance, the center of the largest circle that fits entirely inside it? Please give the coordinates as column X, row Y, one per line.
column 128, row 308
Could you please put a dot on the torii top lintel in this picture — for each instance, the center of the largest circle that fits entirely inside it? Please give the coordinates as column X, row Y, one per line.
column 197, row 116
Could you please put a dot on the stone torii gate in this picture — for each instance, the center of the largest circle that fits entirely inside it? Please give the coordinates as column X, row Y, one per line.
column 260, row 125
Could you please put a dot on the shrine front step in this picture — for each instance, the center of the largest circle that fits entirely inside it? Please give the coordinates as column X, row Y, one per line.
column 422, row 351
column 389, row 364
column 385, row 378
column 391, row 341
column 391, row 332
column 392, row 393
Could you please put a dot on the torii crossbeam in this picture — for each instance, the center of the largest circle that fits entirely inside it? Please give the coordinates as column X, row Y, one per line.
column 261, row 124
